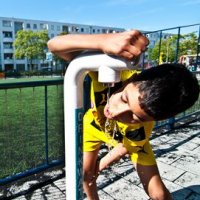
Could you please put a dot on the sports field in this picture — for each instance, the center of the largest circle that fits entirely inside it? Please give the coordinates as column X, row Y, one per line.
column 23, row 126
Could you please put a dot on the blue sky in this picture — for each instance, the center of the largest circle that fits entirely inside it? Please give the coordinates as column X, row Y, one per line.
column 129, row 14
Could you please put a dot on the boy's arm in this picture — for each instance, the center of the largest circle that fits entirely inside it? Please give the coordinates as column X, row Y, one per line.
column 114, row 155
column 128, row 44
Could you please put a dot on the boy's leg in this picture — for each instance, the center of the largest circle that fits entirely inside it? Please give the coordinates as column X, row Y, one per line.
column 152, row 183
column 89, row 174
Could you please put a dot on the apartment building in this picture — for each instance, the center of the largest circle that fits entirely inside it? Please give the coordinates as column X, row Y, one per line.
column 10, row 26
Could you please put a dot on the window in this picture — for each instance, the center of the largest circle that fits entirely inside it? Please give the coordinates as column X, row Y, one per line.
column 7, row 45
column 9, row 67
column 34, row 26
column 20, row 67
column 43, row 26
column 58, row 28
column 75, row 29
column 52, row 27
column 7, row 34
column 8, row 56
column 7, row 23
column 28, row 26
column 65, row 29
column 18, row 26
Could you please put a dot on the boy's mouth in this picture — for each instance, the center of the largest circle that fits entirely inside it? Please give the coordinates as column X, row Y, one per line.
column 107, row 113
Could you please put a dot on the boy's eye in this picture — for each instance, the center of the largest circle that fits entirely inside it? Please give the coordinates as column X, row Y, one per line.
column 123, row 98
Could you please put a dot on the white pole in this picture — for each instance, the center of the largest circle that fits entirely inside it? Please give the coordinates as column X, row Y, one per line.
column 73, row 110
column 73, row 105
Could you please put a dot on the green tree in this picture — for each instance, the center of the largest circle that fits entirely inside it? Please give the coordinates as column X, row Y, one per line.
column 31, row 45
column 187, row 45
column 167, row 49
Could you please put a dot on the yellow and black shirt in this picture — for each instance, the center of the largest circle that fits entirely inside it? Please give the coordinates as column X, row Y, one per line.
column 134, row 137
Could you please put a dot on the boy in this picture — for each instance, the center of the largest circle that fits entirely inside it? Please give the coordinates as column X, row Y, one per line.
column 125, row 120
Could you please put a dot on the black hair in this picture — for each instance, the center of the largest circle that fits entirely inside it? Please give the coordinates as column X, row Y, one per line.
column 166, row 90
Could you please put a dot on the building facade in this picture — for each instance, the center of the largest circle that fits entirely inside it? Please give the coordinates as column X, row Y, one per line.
column 10, row 26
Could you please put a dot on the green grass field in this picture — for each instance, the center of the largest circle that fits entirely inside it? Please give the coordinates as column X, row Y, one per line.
column 22, row 126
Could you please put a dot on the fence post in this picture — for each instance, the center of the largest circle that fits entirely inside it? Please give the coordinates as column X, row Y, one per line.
column 171, row 123
column 46, row 126
column 177, row 45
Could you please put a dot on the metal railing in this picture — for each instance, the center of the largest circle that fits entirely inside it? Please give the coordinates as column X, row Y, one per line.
column 178, row 34
column 31, row 128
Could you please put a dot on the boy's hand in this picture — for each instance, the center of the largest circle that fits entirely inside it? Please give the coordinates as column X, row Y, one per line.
column 128, row 44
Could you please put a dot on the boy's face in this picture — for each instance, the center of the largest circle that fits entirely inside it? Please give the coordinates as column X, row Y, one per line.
column 124, row 106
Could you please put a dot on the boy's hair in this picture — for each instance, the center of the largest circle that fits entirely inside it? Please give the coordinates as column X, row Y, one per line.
column 166, row 90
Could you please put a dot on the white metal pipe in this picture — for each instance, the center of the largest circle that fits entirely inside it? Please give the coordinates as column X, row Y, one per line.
column 109, row 68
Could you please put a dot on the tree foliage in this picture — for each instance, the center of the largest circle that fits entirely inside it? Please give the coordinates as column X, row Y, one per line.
column 31, row 45
column 188, row 44
column 168, row 48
